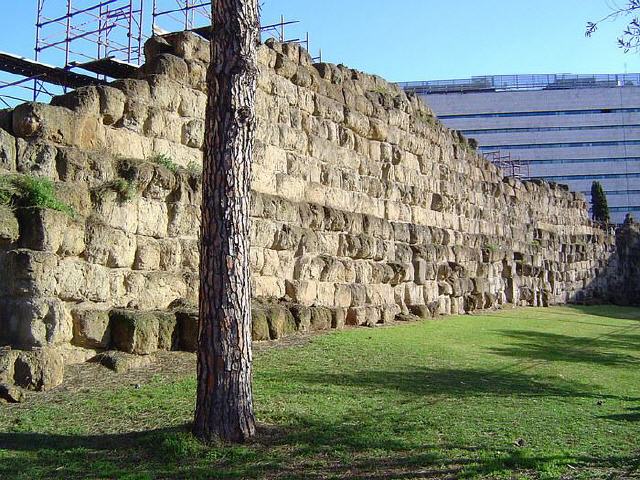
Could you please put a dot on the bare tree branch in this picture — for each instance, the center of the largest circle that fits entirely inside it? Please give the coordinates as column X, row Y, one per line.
column 630, row 38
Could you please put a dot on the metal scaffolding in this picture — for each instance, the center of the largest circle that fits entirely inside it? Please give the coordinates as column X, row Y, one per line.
column 179, row 15
column 512, row 167
column 104, row 38
column 195, row 15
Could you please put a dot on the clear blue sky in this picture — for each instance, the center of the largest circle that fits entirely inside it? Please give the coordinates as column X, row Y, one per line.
column 426, row 39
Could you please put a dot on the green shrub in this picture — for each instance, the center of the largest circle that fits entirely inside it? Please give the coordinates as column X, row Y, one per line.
column 7, row 191
column 26, row 191
column 126, row 189
column 381, row 90
column 194, row 168
column 164, row 160
column 424, row 117
column 492, row 247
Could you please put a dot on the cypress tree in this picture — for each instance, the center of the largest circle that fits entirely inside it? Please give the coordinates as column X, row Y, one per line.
column 599, row 207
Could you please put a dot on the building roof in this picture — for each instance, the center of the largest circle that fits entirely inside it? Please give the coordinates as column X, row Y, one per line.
column 495, row 83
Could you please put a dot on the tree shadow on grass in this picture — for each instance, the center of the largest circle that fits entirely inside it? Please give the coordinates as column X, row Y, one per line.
column 304, row 449
column 607, row 310
column 565, row 348
column 632, row 415
column 320, row 446
column 458, row 382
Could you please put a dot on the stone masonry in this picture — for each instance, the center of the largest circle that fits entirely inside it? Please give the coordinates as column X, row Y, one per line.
column 365, row 209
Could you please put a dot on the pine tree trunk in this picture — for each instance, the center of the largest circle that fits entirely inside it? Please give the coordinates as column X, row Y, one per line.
column 224, row 408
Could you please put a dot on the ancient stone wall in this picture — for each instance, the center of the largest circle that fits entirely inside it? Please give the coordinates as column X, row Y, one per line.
column 623, row 283
column 618, row 282
column 365, row 209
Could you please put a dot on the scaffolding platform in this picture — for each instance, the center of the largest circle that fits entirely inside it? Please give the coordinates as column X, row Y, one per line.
column 104, row 38
column 33, row 70
column 109, row 67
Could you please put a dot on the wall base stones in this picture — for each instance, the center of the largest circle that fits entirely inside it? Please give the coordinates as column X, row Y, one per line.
column 365, row 210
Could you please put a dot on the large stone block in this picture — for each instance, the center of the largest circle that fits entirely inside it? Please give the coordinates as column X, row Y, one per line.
column 49, row 123
column 134, row 331
column 259, row 323
column 187, row 327
column 303, row 292
column 7, row 151
column 91, row 327
column 154, row 290
column 321, row 318
column 167, row 64
column 39, row 369
column 112, row 102
column 147, row 255
column 280, row 321
column 79, row 281
column 83, row 100
column 50, row 230
column 37, row 158
column 9, row 230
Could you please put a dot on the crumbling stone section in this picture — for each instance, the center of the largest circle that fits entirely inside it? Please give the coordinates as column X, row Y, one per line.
column 626, row 291
column 365, row 209
column 619, row 281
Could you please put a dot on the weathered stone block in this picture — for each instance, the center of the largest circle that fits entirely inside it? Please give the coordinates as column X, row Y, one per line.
column 9, row 231
column 7, row 151
column 39, row 369
column 303, row 292
column 83, row 100
column 259, row 323
column 170, row 65
column 280, row 320
column 7, row 361
column 193, row 133
column 91, row 328
column 112, row 102
column 167, row 330
column 363, row 316
column 109, row 246
column 187, row 326
column 134, row 331
column 321, row 318
column 121, row 362
column 147, row 255
column 36, row 158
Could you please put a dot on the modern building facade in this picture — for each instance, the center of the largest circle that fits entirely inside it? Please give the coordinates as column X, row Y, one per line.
column 570, row 129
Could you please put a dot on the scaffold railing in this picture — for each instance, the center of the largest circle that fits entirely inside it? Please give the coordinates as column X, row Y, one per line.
column 554, row 81
column 104, row 38
column 511, row 166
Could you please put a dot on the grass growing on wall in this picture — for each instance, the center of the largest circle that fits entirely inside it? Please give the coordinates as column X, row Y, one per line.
column 165, row 161
column 529, row 393
column 125, row 189
column 25, row 191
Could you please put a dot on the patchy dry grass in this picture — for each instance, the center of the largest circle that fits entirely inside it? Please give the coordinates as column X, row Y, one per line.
column 531, row 393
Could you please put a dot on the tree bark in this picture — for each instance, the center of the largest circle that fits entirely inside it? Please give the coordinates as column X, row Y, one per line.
column 224, row 408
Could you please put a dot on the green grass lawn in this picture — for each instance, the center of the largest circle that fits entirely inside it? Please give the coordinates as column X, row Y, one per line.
column 528, row 393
